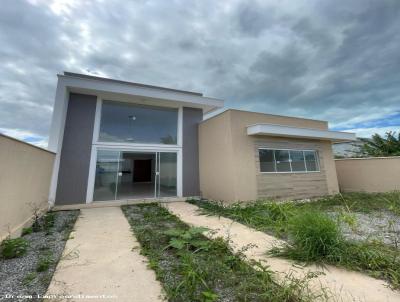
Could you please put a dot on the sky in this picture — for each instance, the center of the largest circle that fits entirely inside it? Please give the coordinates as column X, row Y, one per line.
column 332, row 60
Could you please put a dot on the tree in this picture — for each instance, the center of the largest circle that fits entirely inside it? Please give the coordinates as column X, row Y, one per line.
column 389, row 145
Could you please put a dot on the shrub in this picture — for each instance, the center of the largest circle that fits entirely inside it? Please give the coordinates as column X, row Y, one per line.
column 12, row 248
column 314, row 236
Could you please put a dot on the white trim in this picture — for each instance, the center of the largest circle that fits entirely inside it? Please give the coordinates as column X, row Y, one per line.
column 93, row 153
column 290, row 160
column 106, row 87
column 144, row 147
column 285, row 149
column 97, row 120
column 289, row 131
column 56, row 136
column 179, row 165
column 92, row 175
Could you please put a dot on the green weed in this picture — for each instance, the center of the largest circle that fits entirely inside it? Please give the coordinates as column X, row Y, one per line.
column 313, row 236
column 192, row 267
column 26, row 231
column 44, row 263
column 29, row 278
column 12, row 248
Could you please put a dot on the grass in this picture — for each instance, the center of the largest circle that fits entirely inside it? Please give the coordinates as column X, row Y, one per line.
column 29, row 278
column 313, row 236
column 13, row 248
column 192, row 267
column 44, row 262
column 362, row 202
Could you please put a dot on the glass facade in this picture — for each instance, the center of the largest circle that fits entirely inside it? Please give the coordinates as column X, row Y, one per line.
column 134, row 175
column 133, row 123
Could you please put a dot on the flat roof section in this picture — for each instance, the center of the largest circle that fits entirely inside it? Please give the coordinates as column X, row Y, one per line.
column 86, row 76
column 288, row 131
column 117, row 90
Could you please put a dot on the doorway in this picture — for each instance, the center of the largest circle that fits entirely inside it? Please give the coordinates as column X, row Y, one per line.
column 122, row 175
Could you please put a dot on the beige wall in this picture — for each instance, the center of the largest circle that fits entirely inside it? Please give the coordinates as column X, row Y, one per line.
column 291, row 185
column 229, row 167
column 215, row 158
column 24, row 183
column 368, row 174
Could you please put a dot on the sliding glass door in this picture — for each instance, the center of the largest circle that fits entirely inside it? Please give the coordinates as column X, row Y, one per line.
column 166, row 174
column 107, row 167
column 122, row 175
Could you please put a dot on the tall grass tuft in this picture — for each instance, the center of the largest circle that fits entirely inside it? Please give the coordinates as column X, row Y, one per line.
column 314, row 237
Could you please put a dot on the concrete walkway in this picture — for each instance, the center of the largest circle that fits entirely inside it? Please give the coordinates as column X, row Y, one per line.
column 342, row 285
column 102, row 258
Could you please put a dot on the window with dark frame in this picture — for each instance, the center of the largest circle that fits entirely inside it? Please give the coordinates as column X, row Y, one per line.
column 288, row 161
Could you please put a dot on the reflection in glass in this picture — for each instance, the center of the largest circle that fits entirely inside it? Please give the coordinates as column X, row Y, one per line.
column 282, row 161
column 297, row 158
column 133, row 123
column 311, row 161
column 267, row 163
column 167, row 177
column 106, row 175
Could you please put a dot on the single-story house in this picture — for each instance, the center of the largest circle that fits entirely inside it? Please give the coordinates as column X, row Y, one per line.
column 117, row 140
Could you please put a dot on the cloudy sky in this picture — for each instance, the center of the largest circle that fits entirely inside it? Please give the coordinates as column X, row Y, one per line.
column 335, row 60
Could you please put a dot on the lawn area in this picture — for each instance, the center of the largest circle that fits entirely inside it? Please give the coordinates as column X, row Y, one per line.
column 27, row 263
column 192, row 267
column 358, row 231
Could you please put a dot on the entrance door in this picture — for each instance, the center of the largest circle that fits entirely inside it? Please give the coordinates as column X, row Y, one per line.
column 142, row 170
column 135, row 175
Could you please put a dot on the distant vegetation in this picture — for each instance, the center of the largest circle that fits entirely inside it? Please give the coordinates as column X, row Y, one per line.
column 387, row 145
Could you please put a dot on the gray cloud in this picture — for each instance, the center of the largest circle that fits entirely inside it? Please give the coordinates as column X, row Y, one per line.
column 314, row 59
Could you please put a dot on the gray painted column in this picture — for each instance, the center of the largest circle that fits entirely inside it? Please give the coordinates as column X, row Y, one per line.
column 76, row 149
column 190, row 151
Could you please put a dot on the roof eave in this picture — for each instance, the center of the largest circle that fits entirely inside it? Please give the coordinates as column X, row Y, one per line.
column 298, row 132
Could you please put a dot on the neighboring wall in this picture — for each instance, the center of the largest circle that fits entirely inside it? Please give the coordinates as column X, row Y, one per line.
column 24, row 183
column 368, row 174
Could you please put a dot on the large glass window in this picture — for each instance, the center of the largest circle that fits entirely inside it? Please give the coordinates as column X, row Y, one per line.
column 132, row 123
column 280, row 161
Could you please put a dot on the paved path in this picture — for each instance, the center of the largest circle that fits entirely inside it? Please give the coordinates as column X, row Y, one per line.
column 341, row 284
column 102, row 258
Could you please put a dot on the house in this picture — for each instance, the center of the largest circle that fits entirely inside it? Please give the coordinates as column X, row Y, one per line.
column 117, row 140
column 249, row 155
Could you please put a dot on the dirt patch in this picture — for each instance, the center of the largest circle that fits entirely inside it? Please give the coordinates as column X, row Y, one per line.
column 381, row 226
